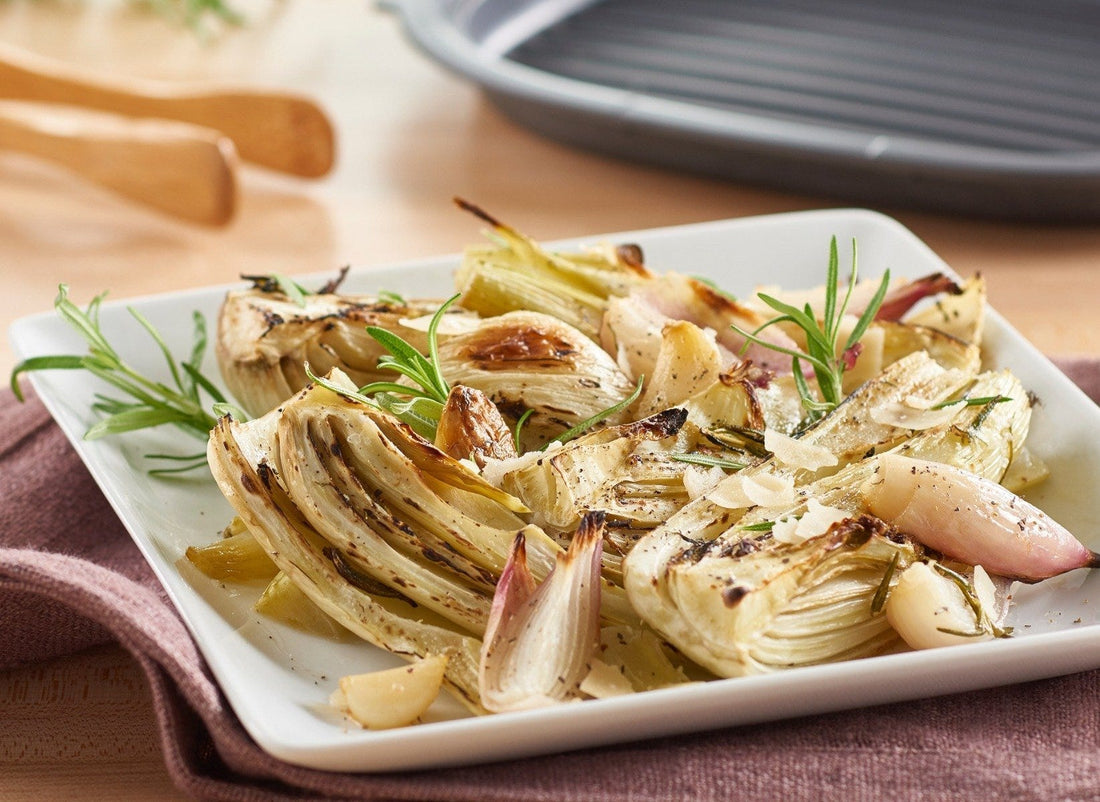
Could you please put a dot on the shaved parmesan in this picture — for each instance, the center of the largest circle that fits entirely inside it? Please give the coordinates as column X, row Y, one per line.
column 604, row 680
column 914, row 416
column 817, row 520
column 766, row 490
column 496, row 469
column 796, row 453
column 700, row 481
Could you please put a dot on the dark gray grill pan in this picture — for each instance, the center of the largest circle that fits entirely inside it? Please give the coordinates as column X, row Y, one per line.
column 985, row 107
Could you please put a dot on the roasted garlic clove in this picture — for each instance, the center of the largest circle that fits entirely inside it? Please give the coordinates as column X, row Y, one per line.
column 688, row 362
column 471, row 427
column 395, row 697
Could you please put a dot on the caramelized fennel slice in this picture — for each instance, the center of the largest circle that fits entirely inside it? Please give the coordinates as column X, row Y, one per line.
column 780, row 606
column 516, row 273
column 587, row 473
column 255, row 491
column 529, row 361
column 340, row 508
column 264, row 339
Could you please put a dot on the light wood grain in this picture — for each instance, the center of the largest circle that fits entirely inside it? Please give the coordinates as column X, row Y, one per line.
column 177, row 168
column 279, row 130
column 412, row 136
column 86, row 716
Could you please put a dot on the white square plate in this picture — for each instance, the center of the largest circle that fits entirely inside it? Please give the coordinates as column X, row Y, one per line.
column 279, row 680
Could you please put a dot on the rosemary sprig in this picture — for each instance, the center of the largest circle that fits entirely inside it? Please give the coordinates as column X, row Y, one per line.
column 709, row 460
column 150, row 403
column 194, row 14
column 519, row 428
column 974, row 402
column 878, row 601
column 827, row 360
column 763, row 526
column 391, row 297
column 588, row 423
column 420, row 404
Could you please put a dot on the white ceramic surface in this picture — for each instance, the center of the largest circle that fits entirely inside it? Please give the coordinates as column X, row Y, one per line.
column 278, row 680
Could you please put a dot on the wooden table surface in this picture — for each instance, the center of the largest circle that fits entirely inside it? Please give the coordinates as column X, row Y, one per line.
column 410, row 137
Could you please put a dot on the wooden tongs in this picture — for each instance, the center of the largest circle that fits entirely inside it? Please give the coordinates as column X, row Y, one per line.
column 168, row 146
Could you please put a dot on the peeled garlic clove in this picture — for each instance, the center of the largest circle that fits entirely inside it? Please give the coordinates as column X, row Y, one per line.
column 929, row 609
column 972, row 519
column 396, row 697
column 539, row 643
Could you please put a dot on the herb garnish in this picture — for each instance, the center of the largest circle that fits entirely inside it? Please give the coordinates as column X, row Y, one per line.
column 763, row 526
column 154, row 403
column 709, row 460
column 421, row 404
column 970, row 594
column 588, row 423
column 973, row 402
column 390, row 297
column 827, row 360
column 519, row 427
column 878, row 601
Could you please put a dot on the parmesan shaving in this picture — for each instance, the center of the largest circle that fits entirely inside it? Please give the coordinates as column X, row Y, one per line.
column 918, row 402
column 496, row 469
column 741, row 492
column 796, row 453
column 905, row 415
column 604, row 680
column 700, row 481
column 817, row 520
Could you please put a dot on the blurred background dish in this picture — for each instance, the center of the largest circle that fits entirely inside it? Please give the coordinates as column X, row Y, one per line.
column 985, row 107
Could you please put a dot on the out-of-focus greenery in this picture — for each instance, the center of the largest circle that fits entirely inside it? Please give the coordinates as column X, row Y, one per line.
column 198, row 15
column 193, row 13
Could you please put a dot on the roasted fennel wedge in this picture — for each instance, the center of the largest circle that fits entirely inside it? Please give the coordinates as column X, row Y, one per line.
column 686, row 566
column 395, row 539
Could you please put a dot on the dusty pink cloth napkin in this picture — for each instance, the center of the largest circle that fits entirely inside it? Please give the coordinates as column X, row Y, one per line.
column 70, row 577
